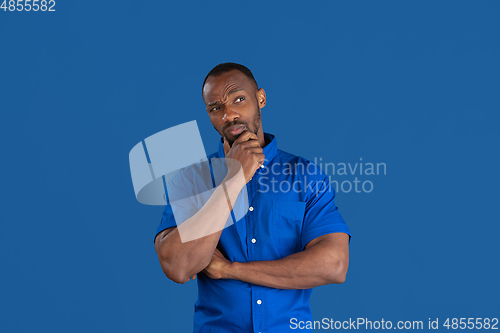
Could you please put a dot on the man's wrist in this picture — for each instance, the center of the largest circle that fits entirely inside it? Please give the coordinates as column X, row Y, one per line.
column 235, row 181
column 232, row 270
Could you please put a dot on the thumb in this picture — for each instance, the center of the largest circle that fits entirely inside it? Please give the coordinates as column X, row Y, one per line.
column 226, row 146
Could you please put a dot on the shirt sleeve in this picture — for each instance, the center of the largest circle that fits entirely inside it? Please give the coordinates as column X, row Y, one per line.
column 188, row 191
column 180, row 206
column 322, row 216
column 167, row 221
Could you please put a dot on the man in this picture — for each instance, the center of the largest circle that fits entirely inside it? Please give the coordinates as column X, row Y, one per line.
column 257, row 274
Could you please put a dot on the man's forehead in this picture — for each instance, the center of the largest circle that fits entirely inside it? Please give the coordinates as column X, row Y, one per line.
column 220, row 86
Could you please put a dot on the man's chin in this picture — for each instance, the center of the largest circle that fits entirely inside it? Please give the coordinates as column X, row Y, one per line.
column 232, row 137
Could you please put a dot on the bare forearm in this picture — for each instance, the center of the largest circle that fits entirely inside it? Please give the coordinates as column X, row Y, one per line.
column 303, row 270
column 187, row 249
column 180, row 260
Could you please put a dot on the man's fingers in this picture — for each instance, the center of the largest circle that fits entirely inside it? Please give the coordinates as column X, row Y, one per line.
column 256, row 150
column 245, row 136
column 226, row 145
column 250, row 144
column 260, row 158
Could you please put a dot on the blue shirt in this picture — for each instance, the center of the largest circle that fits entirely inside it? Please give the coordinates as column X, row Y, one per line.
column 291, row 203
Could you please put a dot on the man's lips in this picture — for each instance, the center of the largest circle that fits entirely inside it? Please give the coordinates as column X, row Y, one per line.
column 236, row 129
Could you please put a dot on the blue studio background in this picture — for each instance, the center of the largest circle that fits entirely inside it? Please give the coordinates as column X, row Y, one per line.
column 410, row 84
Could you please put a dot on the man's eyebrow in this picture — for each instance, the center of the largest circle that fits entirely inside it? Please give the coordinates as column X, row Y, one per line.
column 234, row 90
column 231, row 92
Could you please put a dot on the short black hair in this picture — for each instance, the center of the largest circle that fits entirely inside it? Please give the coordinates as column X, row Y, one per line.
column 226, row 67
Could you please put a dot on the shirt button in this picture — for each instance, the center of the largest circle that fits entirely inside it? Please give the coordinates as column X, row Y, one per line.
column 259, row 302
column 250, row 209
column 254, row 240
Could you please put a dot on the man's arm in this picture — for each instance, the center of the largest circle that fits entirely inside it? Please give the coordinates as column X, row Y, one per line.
column 324, row 260
column 181, row 260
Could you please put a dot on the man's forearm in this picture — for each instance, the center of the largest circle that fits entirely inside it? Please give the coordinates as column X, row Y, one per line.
column 187, row 249
column 318, row 265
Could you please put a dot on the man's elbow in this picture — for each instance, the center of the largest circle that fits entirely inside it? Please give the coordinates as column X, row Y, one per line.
column 178, row 271
column 175, row 274
column 339, row 278
column 178, row 278
column 337, row 272
column 173, row 269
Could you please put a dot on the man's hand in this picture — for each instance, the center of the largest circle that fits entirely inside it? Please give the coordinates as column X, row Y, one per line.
column 246, row 150
column 218, row 267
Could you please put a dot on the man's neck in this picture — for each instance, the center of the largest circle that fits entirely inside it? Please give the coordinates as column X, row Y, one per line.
column 263, row 142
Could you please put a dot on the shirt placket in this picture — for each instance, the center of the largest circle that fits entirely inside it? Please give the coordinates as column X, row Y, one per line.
column 254, row 248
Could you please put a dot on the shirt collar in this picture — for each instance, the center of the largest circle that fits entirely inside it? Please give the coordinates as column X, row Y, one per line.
column 269, row 150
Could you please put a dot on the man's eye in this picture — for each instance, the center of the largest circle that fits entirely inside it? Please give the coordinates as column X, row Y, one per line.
column 240, row 99
column 215, row 108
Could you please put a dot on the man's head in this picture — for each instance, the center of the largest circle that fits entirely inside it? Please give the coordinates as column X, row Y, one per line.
column 233, row 101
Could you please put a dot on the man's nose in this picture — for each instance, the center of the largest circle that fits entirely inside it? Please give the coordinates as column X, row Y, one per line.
column 229, row 115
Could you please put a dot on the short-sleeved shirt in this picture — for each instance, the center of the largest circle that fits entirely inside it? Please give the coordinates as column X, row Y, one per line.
column 290, row 203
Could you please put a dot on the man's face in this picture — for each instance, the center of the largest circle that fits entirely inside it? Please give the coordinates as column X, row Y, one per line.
column 233, row 104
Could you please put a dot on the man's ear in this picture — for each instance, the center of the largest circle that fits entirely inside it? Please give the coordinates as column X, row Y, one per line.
column 261, row 97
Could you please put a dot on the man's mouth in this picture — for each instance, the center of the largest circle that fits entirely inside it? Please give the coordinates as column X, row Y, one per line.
column 236, row 129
